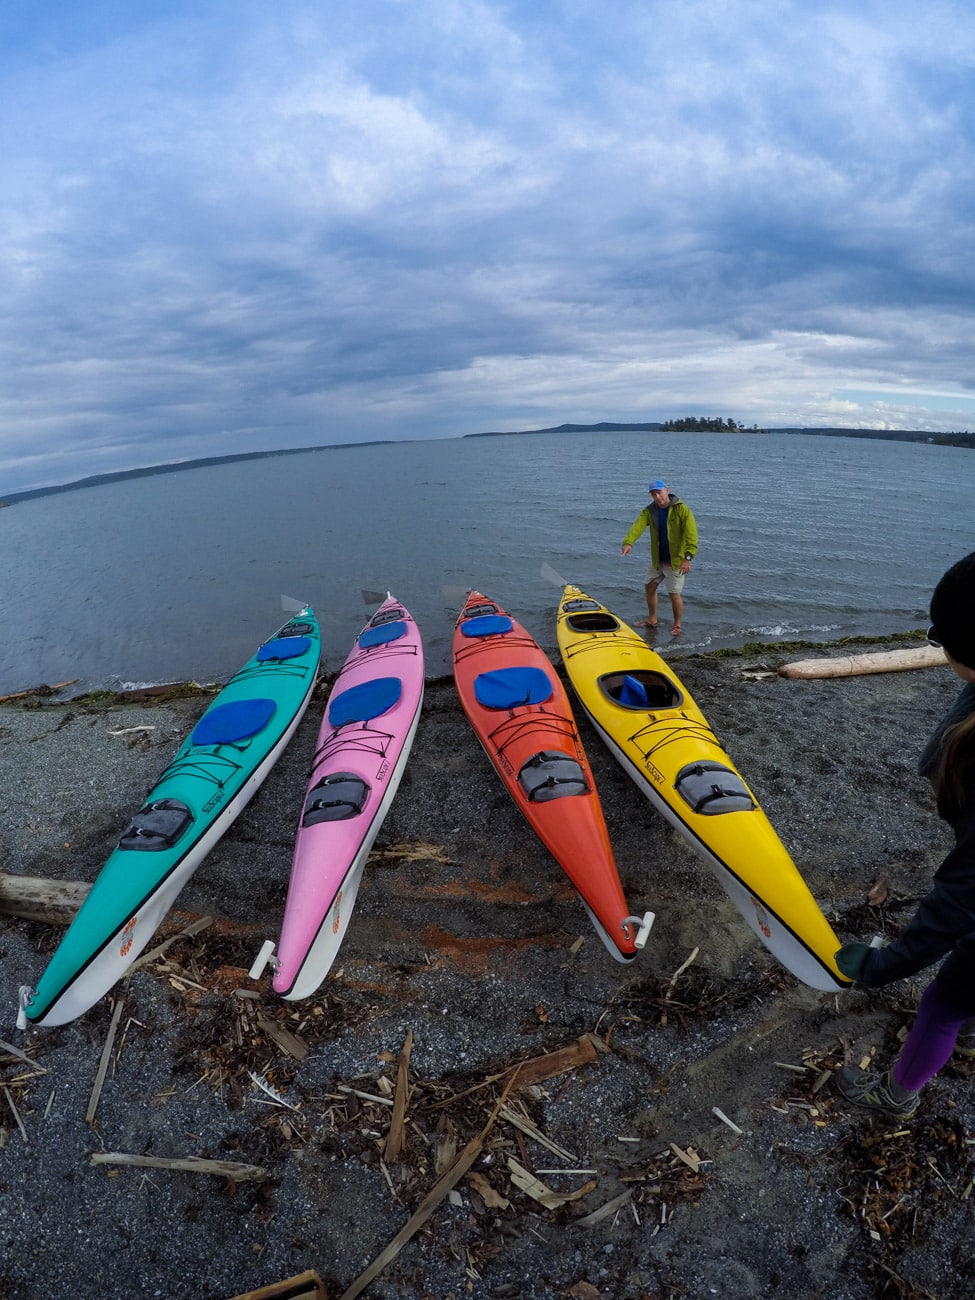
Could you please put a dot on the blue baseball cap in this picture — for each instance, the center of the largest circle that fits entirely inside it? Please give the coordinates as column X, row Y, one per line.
column 657, row 485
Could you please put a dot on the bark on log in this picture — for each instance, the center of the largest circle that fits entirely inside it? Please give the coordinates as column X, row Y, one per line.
column 53, row 901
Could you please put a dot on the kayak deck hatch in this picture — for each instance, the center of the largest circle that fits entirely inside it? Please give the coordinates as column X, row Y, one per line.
column 159, row 825
column 712, row 789
column 550, row 775
column 335, row 798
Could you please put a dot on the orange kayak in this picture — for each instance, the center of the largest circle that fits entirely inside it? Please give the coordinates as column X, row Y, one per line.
column 515, row 701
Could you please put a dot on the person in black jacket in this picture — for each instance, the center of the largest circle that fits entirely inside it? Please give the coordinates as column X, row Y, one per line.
column 944, row 924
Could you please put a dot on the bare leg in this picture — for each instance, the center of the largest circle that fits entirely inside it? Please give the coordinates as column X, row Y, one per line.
column 651, row 589
column 677, row 601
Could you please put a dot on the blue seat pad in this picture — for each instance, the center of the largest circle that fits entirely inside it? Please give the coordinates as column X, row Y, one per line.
column 365, row 701
column 633, row 692
column 382, row 635
column 486, row 625
column 509, row 688
column 283, row 647
column 226, row 723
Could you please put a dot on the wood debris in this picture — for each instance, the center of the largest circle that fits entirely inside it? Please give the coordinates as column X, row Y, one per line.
column 20, row 1056
column 395, row 1136
column 15, row 1112
column 230, row 1169
column 605, row 1211
column 716, row 1110
column 303, row 1286
column 880, row 661
column 534, row 1187
column 96, row 1091
column 53, row 902
column 42, row 690
column 879, row 892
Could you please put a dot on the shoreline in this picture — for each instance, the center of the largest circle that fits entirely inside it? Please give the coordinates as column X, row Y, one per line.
column 469, row 944
column 34, row 695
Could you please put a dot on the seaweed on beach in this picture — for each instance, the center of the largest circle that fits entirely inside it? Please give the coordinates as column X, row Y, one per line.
column 883, row 911
column 692, row 994
column 894, row 1179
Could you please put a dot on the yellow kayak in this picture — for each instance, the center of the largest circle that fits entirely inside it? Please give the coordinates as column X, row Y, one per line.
column 648, row 720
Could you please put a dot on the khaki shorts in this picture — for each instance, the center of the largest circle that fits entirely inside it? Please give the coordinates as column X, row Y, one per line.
column 672, row 578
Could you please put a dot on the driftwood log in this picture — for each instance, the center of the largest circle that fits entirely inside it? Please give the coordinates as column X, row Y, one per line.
column 883, row 661
column 37, row 691
column 53, row 901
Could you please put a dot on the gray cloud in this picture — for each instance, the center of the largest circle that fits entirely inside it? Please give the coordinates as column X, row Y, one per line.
column 230, row 230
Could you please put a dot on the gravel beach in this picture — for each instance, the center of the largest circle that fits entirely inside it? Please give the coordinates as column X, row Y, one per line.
column 695, row 1145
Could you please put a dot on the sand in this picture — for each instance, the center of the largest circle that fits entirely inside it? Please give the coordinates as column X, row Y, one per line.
column 469, row 943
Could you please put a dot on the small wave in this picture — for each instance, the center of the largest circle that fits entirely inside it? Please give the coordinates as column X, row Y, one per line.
column 125, row 687
column 783, row 631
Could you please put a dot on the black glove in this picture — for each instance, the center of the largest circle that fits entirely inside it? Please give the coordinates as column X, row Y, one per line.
column 852, row 960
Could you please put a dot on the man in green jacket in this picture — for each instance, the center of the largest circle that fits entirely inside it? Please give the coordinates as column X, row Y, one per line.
column 673, row 544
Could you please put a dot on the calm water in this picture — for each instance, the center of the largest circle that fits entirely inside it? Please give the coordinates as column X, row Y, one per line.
column 181, row 575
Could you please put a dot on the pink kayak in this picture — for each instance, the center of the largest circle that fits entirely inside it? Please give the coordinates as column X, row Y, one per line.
column 364, row 742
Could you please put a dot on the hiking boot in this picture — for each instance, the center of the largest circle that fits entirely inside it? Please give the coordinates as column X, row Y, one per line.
column 877, row 1092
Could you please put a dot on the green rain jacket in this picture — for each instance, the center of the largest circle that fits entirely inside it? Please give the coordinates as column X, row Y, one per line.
column 681, row 531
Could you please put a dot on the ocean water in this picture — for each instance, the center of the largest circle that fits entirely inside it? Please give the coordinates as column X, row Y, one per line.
column 180, row 576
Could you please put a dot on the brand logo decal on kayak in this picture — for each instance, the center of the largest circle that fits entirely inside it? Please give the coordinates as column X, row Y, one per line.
column 383, row 771
column 337, row 922
column 128, row 936
column 762, row 917
column 653, row 772
column 213, row 801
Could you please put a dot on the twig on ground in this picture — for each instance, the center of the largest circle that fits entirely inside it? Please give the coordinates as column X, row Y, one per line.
column 96, row 1091
column 232, row 1169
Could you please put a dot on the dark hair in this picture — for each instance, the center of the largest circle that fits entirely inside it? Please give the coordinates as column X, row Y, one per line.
column 955, row 776
column 953, row 618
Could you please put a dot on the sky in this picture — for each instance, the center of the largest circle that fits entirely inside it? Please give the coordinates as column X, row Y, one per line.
column 231, row 226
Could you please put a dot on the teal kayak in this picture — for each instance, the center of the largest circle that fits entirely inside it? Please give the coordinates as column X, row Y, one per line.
column 215, row 772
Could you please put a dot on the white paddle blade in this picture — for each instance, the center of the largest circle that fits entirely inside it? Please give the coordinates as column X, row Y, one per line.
column 549, row 574
column 292, row 606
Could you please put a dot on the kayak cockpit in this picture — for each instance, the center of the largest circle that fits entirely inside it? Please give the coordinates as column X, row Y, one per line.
column 587, row 616
column 387, row 616
column 641, row 689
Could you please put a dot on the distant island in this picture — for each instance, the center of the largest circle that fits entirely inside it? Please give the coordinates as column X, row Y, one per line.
column 707, row 424
column 171, row 467
column 686, row 424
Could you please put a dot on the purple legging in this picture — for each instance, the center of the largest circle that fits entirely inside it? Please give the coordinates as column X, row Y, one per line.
column 931, row 1040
